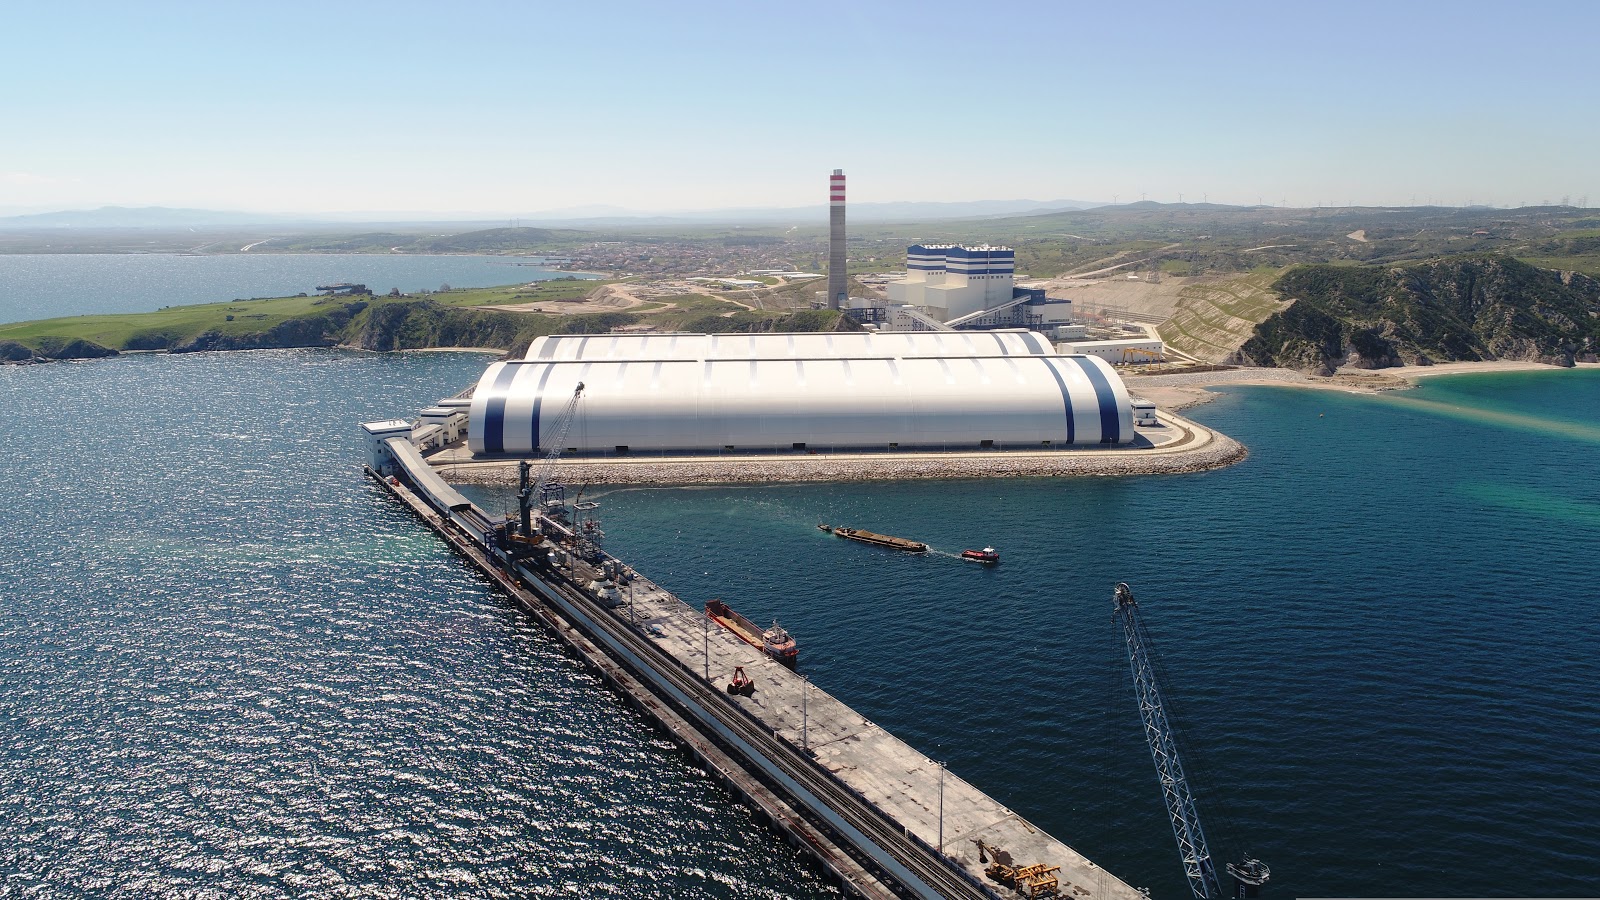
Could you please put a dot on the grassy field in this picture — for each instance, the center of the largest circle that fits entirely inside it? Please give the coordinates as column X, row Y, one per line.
column 133, row 331
column 177, row 324
column 463, row 317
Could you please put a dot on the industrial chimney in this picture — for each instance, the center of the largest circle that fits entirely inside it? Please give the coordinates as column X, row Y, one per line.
column 838, row 293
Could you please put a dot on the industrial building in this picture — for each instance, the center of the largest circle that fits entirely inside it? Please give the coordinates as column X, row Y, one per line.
column 956, row 286
column 763, row 392
column 1134, row 350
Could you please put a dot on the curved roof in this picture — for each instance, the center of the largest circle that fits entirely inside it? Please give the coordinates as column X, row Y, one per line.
column 810, row 345
column 709, row 403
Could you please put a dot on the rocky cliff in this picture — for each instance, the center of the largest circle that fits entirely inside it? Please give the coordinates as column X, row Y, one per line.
column 1475, row 308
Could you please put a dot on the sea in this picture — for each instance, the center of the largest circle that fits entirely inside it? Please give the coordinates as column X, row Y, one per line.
column 44, row 286
column 231, row 666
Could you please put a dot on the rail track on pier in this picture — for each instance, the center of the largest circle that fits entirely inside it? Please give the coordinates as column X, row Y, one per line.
column 914, row 868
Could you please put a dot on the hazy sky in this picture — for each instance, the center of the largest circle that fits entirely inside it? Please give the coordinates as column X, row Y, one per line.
column 517, row 107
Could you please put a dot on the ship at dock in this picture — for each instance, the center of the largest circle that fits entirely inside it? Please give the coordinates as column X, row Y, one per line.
column 879, row 540
column 776, row 641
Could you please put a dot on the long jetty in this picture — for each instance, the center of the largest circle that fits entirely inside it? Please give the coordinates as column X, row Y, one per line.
column 879, row 817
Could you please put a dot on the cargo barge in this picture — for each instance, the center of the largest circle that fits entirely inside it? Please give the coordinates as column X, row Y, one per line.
column 776, row 641
column 880, row 540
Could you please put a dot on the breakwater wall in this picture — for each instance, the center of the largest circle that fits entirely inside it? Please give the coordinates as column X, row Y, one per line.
column 1195, row 449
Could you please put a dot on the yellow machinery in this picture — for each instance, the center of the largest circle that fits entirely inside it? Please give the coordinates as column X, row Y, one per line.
column 1037, row 880
column 1139, row 354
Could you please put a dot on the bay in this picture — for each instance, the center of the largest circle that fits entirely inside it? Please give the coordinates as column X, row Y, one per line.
column 229, row 665
column 42, row 286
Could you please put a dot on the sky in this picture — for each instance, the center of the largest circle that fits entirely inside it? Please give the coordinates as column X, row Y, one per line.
column 519, row 107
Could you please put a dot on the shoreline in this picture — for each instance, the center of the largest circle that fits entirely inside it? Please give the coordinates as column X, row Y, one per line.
column 1181, row 391
column 1195, row 449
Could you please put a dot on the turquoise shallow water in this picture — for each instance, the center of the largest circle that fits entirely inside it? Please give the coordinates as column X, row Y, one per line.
column 229, row 665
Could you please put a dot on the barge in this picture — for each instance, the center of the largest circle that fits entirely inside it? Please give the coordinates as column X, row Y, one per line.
column 776, row 641
column 881, row 540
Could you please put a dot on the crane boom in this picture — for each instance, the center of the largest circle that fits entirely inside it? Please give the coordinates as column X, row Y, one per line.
column 1197, row 863
column 558, row 441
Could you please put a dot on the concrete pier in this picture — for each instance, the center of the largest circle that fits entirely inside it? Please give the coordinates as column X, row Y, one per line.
column 889, row 773
column 879, row 816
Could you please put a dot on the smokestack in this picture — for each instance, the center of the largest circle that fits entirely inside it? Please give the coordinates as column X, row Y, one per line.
column 838, row 293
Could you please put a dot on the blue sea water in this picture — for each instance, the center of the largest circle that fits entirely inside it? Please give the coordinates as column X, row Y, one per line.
column 230, row 666
column 42, row 286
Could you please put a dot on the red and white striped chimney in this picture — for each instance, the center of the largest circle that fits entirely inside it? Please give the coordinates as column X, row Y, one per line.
column 838, row 291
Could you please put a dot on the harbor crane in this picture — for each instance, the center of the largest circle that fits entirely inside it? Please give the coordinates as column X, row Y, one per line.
column 1248, row 874
column 545, row 487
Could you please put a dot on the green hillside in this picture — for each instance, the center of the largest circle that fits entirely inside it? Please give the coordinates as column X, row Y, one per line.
column 1461, row 308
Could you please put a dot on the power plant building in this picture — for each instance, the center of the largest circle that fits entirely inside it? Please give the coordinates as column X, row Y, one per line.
column 951, row 281
column 763, row 392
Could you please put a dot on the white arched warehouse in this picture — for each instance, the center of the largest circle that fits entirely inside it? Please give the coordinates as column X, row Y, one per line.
column 691, row 392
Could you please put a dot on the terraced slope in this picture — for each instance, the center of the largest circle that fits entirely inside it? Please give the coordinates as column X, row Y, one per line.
column 1214, row 319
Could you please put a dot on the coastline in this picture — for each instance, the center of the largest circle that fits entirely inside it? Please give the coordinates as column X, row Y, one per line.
column 1195, row 449
column 1181, row 391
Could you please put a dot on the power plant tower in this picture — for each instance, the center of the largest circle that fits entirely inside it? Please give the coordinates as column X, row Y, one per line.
column 838, row 293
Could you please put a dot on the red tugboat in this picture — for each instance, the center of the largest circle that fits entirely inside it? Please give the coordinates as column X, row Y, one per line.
column 777, row 641
column 988, row 555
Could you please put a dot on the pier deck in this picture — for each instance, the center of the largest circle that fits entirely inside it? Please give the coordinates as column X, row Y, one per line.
column 889, row 773
column 869, row 806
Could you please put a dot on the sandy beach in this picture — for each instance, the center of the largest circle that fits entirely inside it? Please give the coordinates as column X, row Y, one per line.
column 1181, row 390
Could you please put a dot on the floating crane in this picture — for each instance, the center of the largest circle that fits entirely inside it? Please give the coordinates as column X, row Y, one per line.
column 1249, row 874
column 549, row 492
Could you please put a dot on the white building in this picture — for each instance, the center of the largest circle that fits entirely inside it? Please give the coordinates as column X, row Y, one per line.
column 708, row 393
column 1141, row 350
column 951, row 280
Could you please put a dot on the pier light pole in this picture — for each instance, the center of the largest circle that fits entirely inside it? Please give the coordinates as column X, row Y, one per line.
column 632, row 618
column 805, row 712
column 941, row 807
column 705, row 644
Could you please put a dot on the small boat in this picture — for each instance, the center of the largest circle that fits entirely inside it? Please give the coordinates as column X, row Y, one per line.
column 776, row 641
column 987, row 555
column 822, row 527
column 880, row 540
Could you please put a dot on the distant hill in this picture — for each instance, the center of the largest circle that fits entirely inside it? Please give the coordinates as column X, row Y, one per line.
column 492, row 240
column 1462, row 308
column 902, row 211
column 138, row 217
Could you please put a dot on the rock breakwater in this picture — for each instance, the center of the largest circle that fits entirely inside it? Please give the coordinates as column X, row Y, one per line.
column 1199, row 449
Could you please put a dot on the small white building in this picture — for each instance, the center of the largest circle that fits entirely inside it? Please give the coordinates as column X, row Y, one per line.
column 1118, row 353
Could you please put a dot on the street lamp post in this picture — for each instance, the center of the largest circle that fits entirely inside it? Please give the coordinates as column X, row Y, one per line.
column 805, row 712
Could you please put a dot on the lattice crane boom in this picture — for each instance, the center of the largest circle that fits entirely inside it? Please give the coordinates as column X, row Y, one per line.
column 558, row 442
column 1198, row 866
